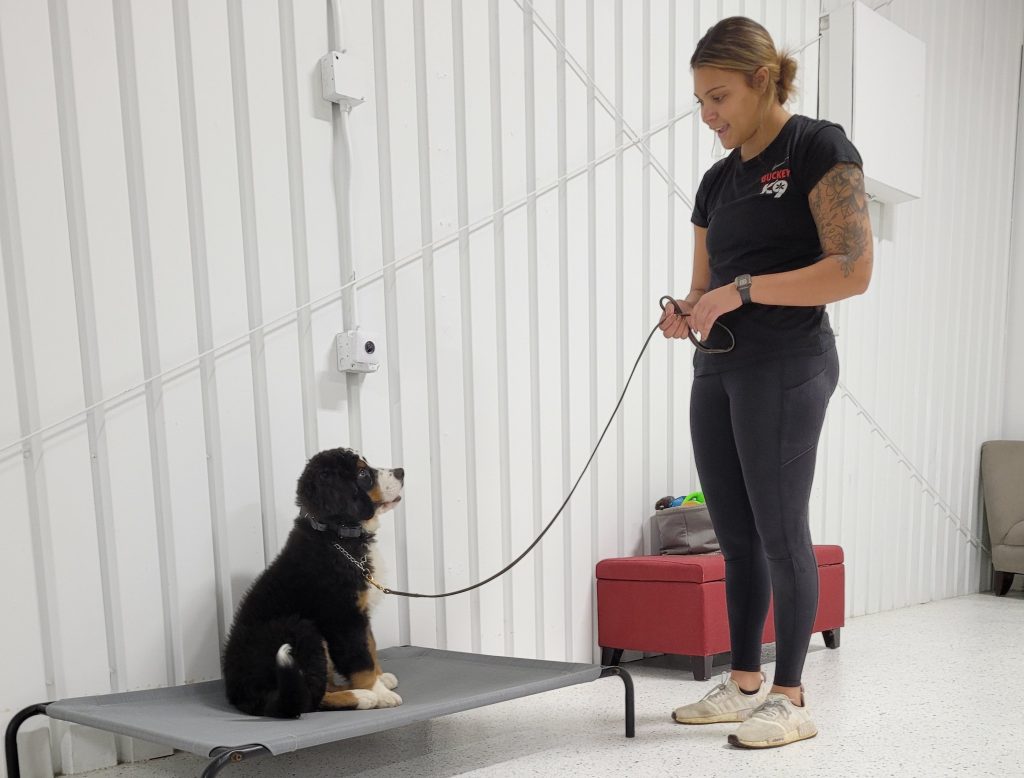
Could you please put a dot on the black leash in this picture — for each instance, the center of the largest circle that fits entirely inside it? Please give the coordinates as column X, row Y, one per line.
column 701, row 346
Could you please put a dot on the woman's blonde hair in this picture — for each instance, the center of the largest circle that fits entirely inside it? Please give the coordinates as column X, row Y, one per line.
column 741, row 44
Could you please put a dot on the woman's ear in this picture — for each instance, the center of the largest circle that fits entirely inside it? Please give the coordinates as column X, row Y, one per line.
column 761, row 79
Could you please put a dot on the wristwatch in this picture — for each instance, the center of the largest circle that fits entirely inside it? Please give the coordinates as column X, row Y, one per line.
column 743, row 285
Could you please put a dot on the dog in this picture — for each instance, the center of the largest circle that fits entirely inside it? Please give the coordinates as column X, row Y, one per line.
column 301, row 638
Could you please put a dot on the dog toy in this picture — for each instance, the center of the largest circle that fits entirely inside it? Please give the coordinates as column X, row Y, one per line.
column 689, row 500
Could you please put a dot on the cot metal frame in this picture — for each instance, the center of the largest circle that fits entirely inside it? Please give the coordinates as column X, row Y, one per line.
column 225, row 756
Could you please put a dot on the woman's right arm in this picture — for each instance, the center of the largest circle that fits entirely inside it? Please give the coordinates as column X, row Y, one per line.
column 678, row 326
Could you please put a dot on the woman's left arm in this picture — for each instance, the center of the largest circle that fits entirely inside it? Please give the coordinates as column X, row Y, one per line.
column 839, row 206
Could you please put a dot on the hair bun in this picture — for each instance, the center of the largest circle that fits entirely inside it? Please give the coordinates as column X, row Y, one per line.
column 784, row 84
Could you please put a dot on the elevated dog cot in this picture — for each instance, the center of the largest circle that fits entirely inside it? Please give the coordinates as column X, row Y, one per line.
column 197, row 717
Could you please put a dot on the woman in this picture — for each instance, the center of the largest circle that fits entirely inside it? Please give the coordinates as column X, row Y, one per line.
column 781, row 228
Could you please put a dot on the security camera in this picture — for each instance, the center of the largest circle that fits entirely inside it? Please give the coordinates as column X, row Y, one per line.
column 357, row 352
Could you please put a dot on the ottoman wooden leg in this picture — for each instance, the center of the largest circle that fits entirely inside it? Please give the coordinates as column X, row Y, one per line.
column 831, row 637
column 701, row 666
column 1002, row 582
column 610, row 657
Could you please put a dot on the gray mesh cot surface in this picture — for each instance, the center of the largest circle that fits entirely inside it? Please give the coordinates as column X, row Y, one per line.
column 197, row 718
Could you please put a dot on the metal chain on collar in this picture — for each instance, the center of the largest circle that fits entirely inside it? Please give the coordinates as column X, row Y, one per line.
column 361, row 564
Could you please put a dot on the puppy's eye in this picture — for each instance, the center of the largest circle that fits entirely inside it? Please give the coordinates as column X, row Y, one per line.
column 364, row 478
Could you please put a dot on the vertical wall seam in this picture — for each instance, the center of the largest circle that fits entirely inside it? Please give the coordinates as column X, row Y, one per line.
column 387, row 228
column 694, row 184
column 963, row 376
column 969, row 421
column 204, row 317
column 949, row 442
column 1002, row 320
column 595, row 478
column 298, row 225
column 466, row 318
column 501, row 321
column 253, row 287
column 620, row 422
column 563, row 328
column 146, row 302
column 530, row 132
column 646, row 291
column 430, row 323
column 670, row 252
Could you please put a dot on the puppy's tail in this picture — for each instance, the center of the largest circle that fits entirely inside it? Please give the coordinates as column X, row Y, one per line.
column 291, row 697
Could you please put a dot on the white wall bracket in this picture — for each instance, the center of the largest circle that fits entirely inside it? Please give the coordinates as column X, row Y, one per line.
column 338, row 80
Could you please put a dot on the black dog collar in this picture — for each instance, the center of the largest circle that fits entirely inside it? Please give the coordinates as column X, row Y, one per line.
column 342, row 530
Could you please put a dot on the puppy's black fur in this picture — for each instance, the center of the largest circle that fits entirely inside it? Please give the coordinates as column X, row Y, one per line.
column 311, row 603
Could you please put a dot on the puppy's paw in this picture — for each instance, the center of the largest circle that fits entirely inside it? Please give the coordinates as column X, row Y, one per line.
column 389, row 680
column 366, row 699
column 385, row 697
column 388, row 700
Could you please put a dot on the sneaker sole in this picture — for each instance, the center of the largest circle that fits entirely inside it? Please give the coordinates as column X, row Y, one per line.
column 719, row 718
column 793, row 738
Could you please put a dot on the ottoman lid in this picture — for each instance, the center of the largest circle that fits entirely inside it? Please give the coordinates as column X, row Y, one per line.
column 688, row 568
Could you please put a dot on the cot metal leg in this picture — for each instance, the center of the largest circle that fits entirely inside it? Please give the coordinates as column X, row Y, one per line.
column 611, row 656
column 628, row 681
column 11, row 737
column 228, row 756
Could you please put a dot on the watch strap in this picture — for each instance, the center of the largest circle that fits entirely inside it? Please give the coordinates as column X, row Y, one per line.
column 743, row 285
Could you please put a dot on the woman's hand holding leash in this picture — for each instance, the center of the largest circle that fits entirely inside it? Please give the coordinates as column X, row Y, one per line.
column 678, row 321
column 711, row 305
column 675, row 322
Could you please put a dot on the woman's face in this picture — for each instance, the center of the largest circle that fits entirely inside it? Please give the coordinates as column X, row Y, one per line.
column 728, row 106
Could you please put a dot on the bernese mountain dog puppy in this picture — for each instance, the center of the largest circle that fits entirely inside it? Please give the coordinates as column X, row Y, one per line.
column 301, row 638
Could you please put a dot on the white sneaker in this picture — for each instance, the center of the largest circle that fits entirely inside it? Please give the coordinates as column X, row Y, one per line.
column 776, row 722
column 726, row 702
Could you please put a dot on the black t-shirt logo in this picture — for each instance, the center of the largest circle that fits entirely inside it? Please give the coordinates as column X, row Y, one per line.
column 775, row 183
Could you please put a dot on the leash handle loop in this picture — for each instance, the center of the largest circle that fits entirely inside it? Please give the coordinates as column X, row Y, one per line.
column 666, row 300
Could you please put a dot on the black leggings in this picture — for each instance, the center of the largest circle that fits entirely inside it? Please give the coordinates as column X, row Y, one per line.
column 755, row 435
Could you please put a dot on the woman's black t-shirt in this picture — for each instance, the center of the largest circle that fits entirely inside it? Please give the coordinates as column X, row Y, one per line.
column 758, row 221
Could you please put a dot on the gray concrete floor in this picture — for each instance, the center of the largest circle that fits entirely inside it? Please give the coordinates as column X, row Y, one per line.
column 930, row 690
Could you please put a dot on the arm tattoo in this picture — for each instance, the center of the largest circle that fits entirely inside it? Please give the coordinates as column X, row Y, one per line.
column 840, row 209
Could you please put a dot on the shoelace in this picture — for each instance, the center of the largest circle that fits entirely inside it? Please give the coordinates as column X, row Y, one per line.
column 772, row 709
column 720, row 689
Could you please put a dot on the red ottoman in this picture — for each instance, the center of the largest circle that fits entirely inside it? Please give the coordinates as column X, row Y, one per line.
column 675, row 604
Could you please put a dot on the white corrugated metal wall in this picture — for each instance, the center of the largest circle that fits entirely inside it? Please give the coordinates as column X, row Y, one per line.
column 522, row 176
